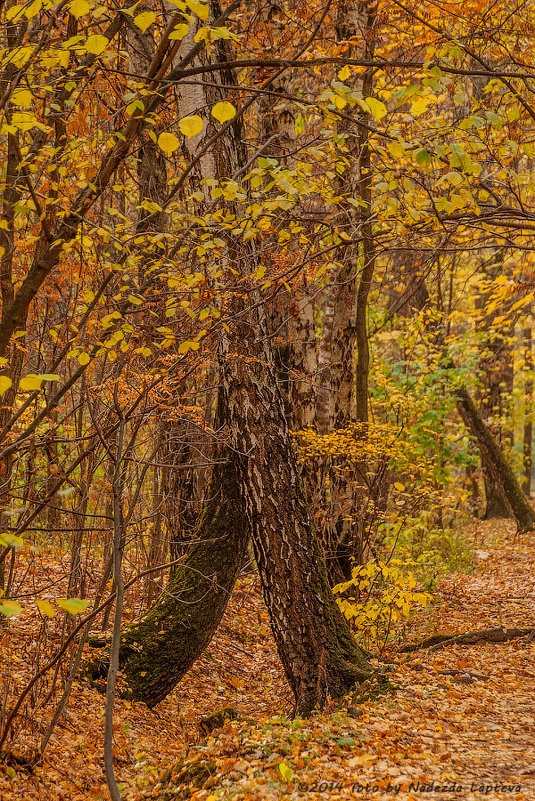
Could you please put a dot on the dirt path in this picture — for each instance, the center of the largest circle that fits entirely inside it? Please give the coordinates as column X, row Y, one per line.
column 438, row 735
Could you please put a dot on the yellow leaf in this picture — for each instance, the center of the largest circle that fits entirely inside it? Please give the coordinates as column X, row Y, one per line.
column 400, row 487
column 84, row 358
column 179, row 31
column 33, row 9
column 223, row 111
column 396, row 149
column 30, row 382
column 96, row 44
column 286, row 772
column 22, row 97
column 200, row 9
column 10, row 608
column 144, row 20
column 184, row 347
column 419, row 106
column 72, row 605
column 79, row 8
column 5, row 383
column 191, row 126
column 377, row 108
column 339, row 101
column 14, row 11
column 168, row 142
column 344, row 73
column 45, row 608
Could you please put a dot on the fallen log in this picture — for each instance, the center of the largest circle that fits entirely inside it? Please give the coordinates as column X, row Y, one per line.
column 438, row 641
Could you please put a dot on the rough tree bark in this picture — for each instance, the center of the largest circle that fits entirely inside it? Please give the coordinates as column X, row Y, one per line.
column 160, row 648
column 290, row 315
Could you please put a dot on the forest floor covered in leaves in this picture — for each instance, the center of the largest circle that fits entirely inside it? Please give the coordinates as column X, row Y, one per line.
column 456, row 722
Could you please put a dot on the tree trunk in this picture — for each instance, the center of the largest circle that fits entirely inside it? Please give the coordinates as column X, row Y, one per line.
column 496, row 366
column 315, row 645
column 317, row 650
column 492, row 456
column 343, row 385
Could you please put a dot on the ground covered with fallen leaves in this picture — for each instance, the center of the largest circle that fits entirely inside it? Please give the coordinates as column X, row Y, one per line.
column 453, row 723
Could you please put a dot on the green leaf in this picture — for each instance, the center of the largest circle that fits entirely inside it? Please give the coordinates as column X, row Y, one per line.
column 72, row 605
column 345, row 741
column 494, row 120
column 10, row 608
column 422, row 157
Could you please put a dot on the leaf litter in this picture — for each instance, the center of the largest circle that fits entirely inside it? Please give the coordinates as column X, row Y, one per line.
column 455, row 723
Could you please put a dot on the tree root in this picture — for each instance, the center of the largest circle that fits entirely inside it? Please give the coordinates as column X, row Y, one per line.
column 439, row 641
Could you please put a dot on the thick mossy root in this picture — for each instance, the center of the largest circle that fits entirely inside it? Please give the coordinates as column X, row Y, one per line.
column 184, row 778
column 215, row 720
column 375, row 687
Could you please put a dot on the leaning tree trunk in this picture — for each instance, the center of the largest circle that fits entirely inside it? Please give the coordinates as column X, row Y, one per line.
column 492, row 455
column 157, row 650
column 496, row 366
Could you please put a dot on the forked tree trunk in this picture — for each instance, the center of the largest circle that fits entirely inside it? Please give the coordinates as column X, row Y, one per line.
column 260, row 490
column 316, row 648
column 492, row 456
